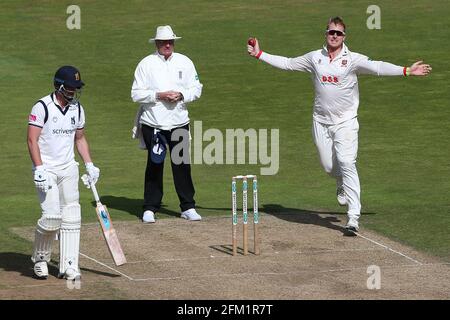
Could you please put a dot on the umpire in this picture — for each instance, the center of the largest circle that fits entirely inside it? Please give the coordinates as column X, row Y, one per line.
column 164, row 83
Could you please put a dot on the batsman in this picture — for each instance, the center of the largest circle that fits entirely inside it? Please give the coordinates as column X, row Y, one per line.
column 55, row 125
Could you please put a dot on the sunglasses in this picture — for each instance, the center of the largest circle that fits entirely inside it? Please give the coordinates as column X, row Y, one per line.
column 335, row 32
column 164, row 42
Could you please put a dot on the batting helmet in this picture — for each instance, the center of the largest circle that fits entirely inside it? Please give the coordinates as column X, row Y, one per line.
column 69, row 77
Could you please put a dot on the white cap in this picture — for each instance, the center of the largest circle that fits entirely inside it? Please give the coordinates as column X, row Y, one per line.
column 164, row 33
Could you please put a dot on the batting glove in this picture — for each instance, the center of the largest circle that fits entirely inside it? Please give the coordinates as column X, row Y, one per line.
column 86, row 181
column 93, row 172
column 41, row 178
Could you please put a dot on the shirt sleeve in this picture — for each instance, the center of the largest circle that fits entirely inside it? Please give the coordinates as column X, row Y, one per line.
column 363, row 65
column 82, row 119
column 37, row 116
column 140, row 90
column 301, row 63
column 193, row 88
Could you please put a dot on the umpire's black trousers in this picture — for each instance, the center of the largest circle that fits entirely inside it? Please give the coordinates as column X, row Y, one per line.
column 153, row 189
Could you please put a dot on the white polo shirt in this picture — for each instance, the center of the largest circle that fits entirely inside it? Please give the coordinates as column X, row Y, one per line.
column 156, row 74
column 57, row 138
column 335, row 81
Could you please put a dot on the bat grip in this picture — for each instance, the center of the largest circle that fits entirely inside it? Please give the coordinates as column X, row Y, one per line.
column 94, row 191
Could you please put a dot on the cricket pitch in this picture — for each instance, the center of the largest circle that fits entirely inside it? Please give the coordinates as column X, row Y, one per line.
column 302, row 257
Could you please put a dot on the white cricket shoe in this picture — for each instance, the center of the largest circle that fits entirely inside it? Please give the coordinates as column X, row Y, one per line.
column 148, row 216
column 70, row 274
column 191, row 215
column 41, row 269
column 341, row 196
column 352, row 225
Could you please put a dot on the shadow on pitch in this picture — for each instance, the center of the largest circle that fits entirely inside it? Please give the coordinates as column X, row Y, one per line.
column 132, row 206
column 19, row 262
column 228, row 249
column 330, row 220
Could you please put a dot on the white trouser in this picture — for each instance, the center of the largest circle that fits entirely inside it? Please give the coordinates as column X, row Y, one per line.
column 57, row 208
column 63, row 192
column 338, row 147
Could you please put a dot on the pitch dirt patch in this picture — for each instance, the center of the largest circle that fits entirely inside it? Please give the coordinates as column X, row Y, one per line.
column 302, row 257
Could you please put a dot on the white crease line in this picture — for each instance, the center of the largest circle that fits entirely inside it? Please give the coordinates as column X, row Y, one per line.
column 9, row 287
column 337, row 250
column 276, row 253
column 211, row 276
column 106, row 266
column 175, row 259
column 390, row 249
column 282, row 273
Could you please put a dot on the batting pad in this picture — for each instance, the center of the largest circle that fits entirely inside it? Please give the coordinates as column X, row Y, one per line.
column 70, row 237
column 49, row 222
column 46, row 228
column 42, row 245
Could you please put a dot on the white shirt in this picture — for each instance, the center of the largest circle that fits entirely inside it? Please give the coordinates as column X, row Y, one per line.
column 335, row 82
column 56, row 141
column 156, row 74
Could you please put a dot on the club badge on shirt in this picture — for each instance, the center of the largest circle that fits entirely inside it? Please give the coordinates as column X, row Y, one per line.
column 344, row 63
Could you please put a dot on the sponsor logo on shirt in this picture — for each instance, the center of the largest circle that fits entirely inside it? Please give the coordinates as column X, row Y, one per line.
column 32, row 117
column 72, row 120
column 66, row 132
column 331, row 79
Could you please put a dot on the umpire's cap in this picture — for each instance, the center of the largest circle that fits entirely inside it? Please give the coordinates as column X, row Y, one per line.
column 68, row 76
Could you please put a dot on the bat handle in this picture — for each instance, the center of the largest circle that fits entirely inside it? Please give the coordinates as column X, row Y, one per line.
column 94, row 191
column 86, row 179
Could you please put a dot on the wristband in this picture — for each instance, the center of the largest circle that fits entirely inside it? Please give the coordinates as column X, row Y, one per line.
column 406, row 71
column 259, row 54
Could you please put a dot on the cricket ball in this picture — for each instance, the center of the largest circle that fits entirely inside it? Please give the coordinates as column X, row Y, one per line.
column 252, row 42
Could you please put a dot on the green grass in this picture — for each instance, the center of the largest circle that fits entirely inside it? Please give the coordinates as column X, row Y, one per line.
column 403, row 148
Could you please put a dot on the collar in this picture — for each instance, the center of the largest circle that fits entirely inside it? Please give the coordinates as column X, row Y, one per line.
column 344, row 51
column 163, row 58
column 55, row 100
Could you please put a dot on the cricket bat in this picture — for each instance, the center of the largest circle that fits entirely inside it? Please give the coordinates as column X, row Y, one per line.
column 109, row 232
